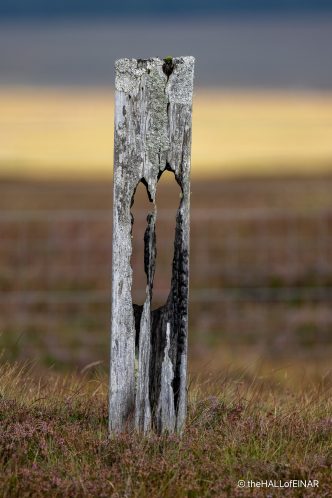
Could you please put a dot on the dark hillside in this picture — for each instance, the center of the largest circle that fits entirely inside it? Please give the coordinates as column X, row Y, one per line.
column 63, row 8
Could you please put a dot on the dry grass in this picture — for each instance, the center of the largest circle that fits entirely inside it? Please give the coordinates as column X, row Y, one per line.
column 242, row 424
column 247, row 418
column 63, row 132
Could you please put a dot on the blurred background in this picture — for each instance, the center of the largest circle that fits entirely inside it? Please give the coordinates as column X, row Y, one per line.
column 261, row 229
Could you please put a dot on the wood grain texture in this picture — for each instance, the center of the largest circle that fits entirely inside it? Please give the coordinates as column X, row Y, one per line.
column 153, row 108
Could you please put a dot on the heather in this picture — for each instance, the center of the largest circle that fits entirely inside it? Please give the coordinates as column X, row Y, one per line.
column 242, row 424
column 259, row 342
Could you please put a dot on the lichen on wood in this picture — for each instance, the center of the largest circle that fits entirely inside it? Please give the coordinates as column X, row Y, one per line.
column 149, row 348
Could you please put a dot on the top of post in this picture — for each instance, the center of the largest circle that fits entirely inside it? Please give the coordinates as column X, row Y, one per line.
column 175, row 73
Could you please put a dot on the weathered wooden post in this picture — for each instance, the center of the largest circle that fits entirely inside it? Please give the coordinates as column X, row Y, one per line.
column 153, row 108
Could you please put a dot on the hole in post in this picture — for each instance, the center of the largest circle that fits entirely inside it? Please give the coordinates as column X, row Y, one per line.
column 141, row 207
column 168, row 200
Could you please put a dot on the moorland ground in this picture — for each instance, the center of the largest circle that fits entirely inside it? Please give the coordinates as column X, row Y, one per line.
column 259, row 349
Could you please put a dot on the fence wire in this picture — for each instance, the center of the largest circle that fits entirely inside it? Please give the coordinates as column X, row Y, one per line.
column 258, row 276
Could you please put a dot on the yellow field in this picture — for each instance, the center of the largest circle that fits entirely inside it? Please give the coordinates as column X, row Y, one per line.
column 69, row 132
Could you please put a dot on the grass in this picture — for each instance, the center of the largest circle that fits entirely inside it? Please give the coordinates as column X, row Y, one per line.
column 247, row 418
column 242, row 424
column 50, row 132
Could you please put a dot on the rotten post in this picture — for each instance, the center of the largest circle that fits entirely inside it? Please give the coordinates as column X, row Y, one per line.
column 153, row 109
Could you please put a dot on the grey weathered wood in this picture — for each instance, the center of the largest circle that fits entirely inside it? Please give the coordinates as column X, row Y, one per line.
column 153, row 107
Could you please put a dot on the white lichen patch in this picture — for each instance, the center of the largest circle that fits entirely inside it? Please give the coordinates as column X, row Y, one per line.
column 179, row 87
